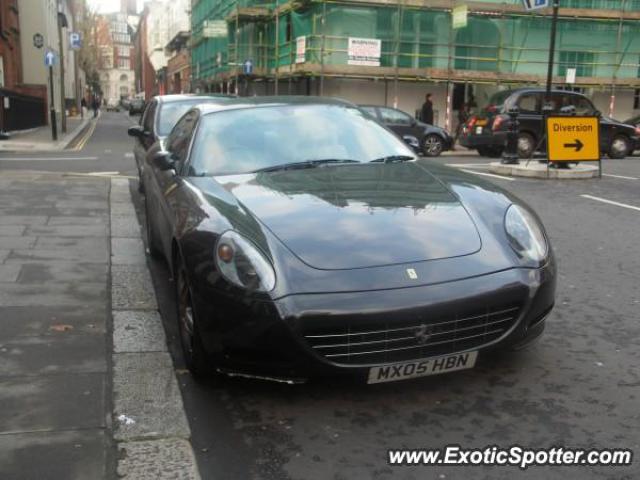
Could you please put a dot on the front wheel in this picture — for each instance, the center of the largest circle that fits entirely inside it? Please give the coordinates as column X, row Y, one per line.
column 620, row 147
column 195, row 356
column 432, row 145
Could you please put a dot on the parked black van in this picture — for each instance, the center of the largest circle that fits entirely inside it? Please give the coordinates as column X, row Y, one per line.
column 486, row 132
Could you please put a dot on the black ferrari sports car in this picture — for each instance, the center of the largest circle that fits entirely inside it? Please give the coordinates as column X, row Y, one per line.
column 306, row 239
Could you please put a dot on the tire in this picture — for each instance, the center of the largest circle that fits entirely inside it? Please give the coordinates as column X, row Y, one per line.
column 620, row 147
column 494, row 152
column 152, row 240
column 195, row 356
column 432, row 145
column 483, row 151
column 526, row 145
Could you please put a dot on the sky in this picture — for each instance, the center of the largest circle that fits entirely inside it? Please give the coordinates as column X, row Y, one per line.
column 107, row 6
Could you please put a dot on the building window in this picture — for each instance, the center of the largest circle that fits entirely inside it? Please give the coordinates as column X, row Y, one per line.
column 581, row 61
column 124, row 63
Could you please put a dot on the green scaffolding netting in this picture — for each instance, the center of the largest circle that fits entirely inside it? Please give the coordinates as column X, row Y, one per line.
column 516, row 43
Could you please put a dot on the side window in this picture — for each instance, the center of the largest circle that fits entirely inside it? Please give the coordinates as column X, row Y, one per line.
column 149, row 116
column 396, row 117
column 180, row 137
column 559, row 100
column 583, row 105
column 529, row 103
column 371, row 111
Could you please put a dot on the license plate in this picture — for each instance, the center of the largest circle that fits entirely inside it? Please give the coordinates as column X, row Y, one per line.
column 478, row 130
column 482, row 123
column 422, row 368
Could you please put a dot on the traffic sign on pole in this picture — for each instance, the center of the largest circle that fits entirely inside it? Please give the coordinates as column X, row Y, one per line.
column 573, row 139
column 75, row 41
column 247, row 67
column 49, row 59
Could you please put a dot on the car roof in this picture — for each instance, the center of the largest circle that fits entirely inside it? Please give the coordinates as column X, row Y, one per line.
column 237, row 103
column 190, row 96
column 541, row 90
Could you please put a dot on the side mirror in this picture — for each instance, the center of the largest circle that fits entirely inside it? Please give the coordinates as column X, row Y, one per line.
column 414, row 122
column 162, row 161
column 136, row 131
column 597, row 113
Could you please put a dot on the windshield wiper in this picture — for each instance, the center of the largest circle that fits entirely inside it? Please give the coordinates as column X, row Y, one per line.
column 304, row 164
column 393, row 158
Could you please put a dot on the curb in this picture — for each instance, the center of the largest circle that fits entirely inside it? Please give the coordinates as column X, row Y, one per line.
column 150, row 426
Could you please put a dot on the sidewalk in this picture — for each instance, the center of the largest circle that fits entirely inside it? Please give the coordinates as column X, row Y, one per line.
column 87, row 386
column 39, row 139
column 54, row 373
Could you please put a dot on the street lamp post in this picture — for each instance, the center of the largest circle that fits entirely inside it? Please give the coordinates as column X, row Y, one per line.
column 552, row 49
column 62, row 22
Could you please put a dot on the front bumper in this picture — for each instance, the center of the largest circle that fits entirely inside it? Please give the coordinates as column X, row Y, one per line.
column 275, row 339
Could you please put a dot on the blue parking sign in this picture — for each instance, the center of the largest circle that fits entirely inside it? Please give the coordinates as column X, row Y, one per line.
column 75, row 41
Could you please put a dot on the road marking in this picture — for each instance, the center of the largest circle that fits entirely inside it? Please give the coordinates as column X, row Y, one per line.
column 488, row 175
column 87, row 136
column 45, row 159
column 128, row 155
column 467, row 164
column 619, row 176
column 611, row 202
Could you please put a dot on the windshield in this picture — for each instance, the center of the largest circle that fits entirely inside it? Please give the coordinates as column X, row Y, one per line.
column 246, row 140
column 498, row 99
column 171, row 112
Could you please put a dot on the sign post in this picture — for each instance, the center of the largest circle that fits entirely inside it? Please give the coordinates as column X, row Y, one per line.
column 573, row 139
column 49, row 61
column 552, row 48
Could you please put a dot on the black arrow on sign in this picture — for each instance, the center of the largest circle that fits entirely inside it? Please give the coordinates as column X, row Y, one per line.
column 578, row 145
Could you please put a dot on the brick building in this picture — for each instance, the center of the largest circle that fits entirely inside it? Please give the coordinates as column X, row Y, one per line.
column 21, row 105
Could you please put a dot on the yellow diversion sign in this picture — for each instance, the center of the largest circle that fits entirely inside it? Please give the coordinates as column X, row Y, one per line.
column 573, row 139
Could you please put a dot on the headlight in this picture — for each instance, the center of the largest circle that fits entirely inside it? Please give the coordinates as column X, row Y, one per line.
column 243, row 264
column 525, row 234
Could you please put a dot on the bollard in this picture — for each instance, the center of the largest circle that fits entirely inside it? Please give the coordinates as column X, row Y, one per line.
column 510, row 153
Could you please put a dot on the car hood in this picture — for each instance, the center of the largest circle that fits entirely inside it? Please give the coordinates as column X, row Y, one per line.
column 357, row 216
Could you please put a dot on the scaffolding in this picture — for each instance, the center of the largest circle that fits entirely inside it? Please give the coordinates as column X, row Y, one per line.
column 501, row 43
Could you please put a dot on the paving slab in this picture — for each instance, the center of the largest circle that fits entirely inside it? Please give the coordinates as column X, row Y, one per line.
column 47, row 320
column 23, row 219
column 100, row 219
column 12, row 229
column 126, row 251
column 8, row 242
column 9, row 273
column 74, row 293
column 146, row 393
column 90, row 230
column 138, row 331
column 170, row 459
column 131, row 288
column 127, row 226
column 62, row 352
column 92, row 253
column 124, row 209
column 65, row 455
column 52, row 402
column 44, row 273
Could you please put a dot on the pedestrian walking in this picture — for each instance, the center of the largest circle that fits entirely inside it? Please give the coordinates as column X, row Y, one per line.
column 96, row 106
column 83, row 106
column 426, row 114
column 463, row 118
